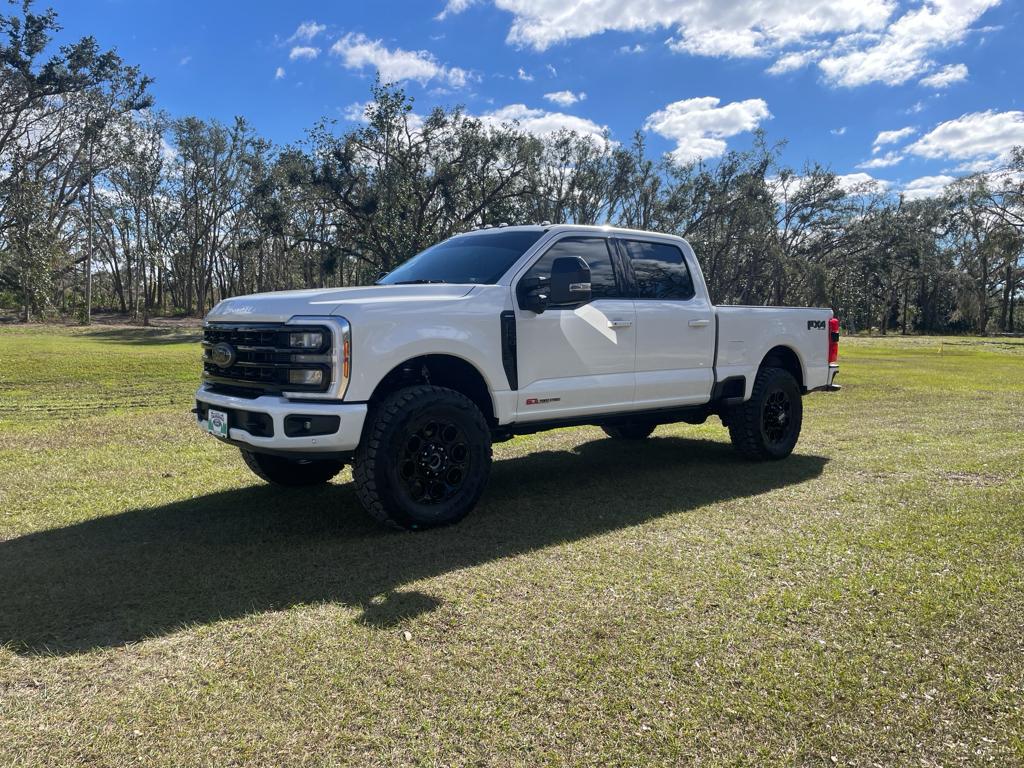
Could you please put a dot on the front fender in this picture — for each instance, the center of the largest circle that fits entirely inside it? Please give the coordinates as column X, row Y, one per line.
column 385, row 337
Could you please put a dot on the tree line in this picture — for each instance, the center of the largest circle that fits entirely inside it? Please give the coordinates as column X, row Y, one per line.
column 106, row 202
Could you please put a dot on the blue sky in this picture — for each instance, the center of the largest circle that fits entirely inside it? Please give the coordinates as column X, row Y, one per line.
column 910, row 93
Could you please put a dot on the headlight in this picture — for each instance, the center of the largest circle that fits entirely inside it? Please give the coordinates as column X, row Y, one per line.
column 306, row 377
column 306, row 340
column 319, row 357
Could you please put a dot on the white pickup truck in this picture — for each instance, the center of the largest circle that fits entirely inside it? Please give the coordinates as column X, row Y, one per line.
column 493, row 333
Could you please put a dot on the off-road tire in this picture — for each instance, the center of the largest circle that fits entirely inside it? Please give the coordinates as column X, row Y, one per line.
column 631, row 430
column 773, row 388
column 389, row 463
column 280, row 470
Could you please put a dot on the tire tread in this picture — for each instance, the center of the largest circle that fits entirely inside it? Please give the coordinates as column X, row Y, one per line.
column 364, row 468
column 300, row 475
column 745, row 419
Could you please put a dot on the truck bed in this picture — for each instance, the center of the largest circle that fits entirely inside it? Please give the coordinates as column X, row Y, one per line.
column 746, row 334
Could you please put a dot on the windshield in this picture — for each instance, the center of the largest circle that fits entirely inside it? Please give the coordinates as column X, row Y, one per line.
column 480, row 257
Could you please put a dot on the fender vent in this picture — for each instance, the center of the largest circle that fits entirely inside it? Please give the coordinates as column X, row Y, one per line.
column 508, row 348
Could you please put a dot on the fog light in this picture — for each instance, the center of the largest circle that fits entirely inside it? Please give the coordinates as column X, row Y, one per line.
column 305, row 377
column 305, row 340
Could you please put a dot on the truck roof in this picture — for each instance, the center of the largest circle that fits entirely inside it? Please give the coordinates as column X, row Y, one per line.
column 583, row 228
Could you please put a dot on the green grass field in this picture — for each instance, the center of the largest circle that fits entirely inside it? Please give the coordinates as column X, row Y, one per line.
column 861, row 603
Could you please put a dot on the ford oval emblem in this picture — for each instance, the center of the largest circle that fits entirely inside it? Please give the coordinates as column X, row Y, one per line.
column 223, row 355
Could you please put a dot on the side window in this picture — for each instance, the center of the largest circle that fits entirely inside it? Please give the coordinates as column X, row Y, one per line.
column 660, row 270
column 593, row 250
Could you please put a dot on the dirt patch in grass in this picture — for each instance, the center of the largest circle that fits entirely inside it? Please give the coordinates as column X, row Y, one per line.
column 976, row 479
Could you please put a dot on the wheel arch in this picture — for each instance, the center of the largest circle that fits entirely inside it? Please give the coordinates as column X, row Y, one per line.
column 442, row 370
column 786, row 358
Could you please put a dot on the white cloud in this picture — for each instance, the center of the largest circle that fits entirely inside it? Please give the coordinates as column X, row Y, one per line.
column 306, row 31
column 184, row 61
column 927, row 186
column 978, row 137
column 892, row 137
column 884, row 161
column 945, row 77
column 724, row 28
column 453, row 7
column 358, row 51
column 904, row 50
column 789, row 62
column 978, row 166
column 303, row 52
column 279, row 73
column 524, row 75
column 841, row 130
column 356, row 111
column 850, row 183
column 540, row 122
column 565, row 98
column 915, row 108
column 1005, row 178
column 700, row 126
column 551, row 70
column 632, row 49
column 854, row 43
column 860, row 182
column 361, row 111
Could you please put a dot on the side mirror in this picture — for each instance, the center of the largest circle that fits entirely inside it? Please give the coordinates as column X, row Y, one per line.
column 570, row 281
column 533, row 293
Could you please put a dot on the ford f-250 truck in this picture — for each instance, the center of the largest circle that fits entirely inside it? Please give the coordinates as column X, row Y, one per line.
column 490, row 334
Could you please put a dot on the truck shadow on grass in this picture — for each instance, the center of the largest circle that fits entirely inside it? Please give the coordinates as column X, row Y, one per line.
column 149, row 572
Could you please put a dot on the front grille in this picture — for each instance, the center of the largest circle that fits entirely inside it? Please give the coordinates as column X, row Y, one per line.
column 261, row 358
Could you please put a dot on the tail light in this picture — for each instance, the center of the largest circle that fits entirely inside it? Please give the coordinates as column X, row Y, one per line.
column 833, row 340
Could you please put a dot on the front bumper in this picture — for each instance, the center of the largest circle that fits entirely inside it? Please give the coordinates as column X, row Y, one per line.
column 351, row 417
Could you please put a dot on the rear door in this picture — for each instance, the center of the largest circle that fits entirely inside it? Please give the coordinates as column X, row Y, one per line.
column 675, row 326
column 577, row 360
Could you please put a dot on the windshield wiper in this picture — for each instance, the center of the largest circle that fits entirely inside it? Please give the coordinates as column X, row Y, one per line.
column 421, row 281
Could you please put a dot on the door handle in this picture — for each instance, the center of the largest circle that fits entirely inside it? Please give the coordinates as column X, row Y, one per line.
column 699, row 323
column 620, row 323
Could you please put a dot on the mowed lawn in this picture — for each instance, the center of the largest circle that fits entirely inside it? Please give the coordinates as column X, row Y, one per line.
column 657, row 603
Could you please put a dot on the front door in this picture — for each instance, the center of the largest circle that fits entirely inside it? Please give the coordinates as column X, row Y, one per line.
column 577, row 360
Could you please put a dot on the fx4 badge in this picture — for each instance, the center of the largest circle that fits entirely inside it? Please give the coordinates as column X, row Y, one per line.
column 815, row 325
column 541, row 400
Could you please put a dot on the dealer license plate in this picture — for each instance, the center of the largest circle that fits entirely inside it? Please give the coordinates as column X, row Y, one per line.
column 217, row 423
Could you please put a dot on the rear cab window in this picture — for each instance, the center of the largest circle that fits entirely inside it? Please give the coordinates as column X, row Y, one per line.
column 659, row 270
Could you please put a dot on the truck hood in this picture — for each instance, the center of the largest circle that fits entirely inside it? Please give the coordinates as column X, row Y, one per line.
column 280, row 306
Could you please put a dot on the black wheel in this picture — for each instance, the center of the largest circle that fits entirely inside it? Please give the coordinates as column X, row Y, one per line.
column 291, row 472
column 633, row 430
column 424, row 458
column 767, row 426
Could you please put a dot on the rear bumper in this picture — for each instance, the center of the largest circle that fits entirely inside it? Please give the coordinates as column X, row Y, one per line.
column 245, row 413
column 830, row 385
